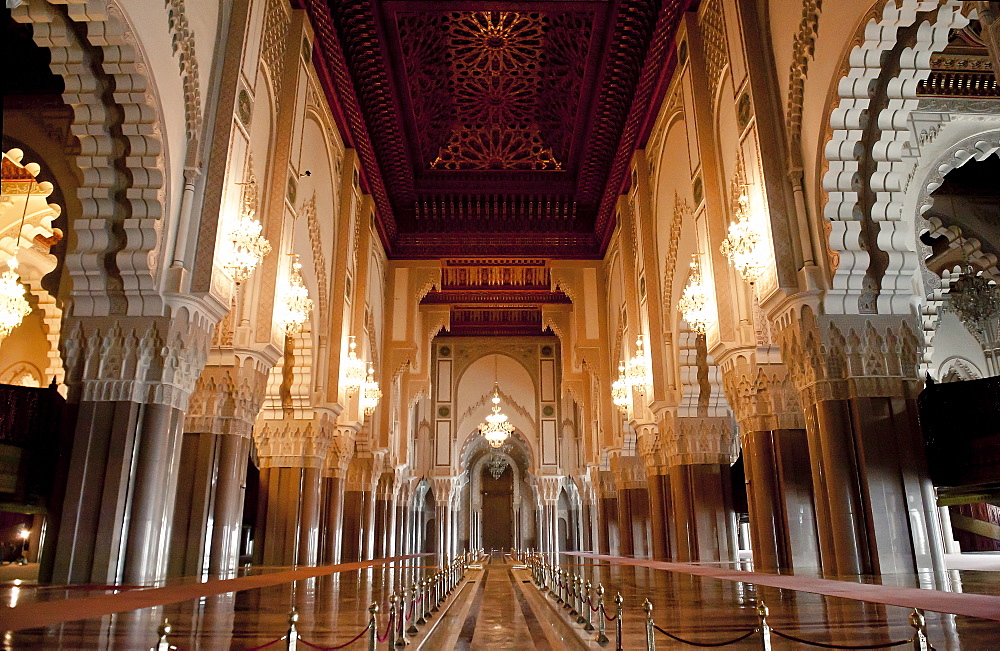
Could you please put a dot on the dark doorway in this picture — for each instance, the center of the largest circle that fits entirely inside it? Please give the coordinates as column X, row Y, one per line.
column 498, row 509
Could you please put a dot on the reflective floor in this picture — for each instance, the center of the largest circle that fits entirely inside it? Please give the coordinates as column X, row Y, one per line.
column 333, row 609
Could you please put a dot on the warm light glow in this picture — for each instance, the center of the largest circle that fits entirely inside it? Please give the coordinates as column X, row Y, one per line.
column 496, row 429
column 371, row 393
column 25, row 534
column 620, row 389
column 295, row 306
column 354, row 369
column 743, row 245
column 246, row 247
column 694, row 304
column 13, row 306
column 638, row 367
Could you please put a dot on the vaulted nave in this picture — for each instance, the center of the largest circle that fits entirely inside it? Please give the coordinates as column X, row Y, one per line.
column 496, row 324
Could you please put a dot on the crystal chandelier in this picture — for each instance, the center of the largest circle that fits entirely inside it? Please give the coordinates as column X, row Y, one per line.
column 13, row 306
column 371, row 393
column 496, row 429
column 620, row 389
column 354, row 369
column 295, row 305
column 497, row 463
column 247, row 247
column 976, row 301
column 694, row 306
column 638, row 367
column 742, row 246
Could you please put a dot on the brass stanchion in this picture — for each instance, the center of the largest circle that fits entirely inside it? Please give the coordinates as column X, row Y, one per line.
column 589, row 626
column 618, row 621
column 372, row 626
column 581, row 606
column 602, row 639
column 412, row 630
column 163, row 631
column 650, row 641
column 292, row 636
column 425, row 610
column 396, row 603
column 765, row 628
column 918, row 623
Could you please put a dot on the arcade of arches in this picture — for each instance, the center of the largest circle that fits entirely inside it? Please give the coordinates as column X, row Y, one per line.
column 729, row 268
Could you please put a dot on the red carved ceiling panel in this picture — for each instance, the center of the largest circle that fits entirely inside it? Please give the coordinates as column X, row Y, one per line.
column 495, row 128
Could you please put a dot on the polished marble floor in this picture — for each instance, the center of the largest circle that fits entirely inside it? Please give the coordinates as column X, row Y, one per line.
column 333, row 609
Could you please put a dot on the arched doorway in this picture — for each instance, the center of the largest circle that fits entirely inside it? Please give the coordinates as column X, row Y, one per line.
column 498, row 508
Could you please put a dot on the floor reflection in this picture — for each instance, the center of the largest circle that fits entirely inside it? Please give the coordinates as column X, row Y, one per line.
column 333, row 609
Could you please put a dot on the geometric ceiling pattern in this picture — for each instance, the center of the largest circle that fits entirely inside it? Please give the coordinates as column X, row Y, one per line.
column 501, row 128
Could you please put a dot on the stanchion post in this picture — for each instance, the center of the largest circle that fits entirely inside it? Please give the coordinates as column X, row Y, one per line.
column 292, row 636
column 573, row 594
column 618, row 621
column 765, row 628
column 650, row 640
column 581, row 607
column 589, row 626
column 395, row 603
column 424, row 612
column 372, row 626
column 412, row 630
column 602, row 638
column 918, row 623
column 163, row 631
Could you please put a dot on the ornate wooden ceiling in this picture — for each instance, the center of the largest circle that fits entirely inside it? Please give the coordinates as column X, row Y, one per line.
column 495, row 128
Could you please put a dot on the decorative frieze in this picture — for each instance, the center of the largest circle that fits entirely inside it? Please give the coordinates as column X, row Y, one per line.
column 227, row 399
column 846, row 356
column 293, row 443
column 144, row 360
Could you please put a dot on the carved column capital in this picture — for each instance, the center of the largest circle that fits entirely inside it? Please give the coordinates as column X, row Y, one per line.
column 293, row 443
column 630, row 472
column 549, row 487
column 836, row 357
column 762, row 395
column 704, row 439
column 151, row 360
column 227, row 399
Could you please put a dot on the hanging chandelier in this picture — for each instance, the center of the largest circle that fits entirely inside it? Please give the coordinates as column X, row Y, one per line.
column 497, row 463
column 354, row 369
column 638, row 367
column 247, row 247
column 743, row 245
column 371, row 393
column 975, row 300
column 295, row 305
column 620, row 389
column 13, row 306
column 694, row 305
column 496, row 429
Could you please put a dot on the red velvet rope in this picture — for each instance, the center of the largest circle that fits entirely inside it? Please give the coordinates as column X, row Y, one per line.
column 388, row 629
column 264, row 646
column 610, row 619
column 339, row 646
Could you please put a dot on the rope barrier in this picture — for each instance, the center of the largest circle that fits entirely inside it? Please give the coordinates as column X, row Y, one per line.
column 559, row 583
column 388, row 629
column 339, row 646
column 707, row 644
column 264, row 646
column 824, row 645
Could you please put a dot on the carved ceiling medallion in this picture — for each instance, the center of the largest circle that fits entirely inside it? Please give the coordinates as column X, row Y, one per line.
column 498, row 90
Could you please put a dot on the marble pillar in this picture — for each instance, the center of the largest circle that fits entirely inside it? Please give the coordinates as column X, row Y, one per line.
column 700, row 495
column 659, row 518
column 332, row 540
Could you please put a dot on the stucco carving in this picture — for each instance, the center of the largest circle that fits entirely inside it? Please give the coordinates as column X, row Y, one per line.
column 853, row 291
column 142, row 360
